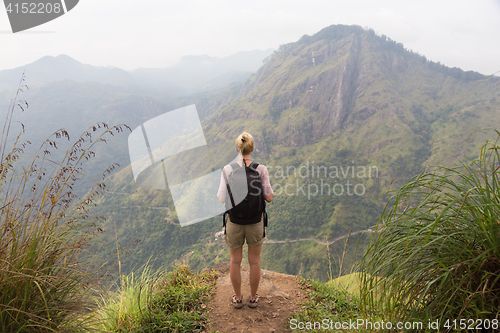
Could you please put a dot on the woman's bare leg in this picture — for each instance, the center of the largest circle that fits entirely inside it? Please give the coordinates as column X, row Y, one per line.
column 254, row 261
column 234, row 270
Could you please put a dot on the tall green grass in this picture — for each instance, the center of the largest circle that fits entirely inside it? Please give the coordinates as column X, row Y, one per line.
column 122, row 311
column 46, row 272
column 157, row 302
column 437, row 251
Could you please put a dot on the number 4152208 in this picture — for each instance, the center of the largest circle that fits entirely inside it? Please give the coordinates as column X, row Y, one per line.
column 463, row 324
column 34, row 8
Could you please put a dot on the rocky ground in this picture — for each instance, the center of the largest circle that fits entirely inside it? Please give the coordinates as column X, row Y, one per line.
column 279, row 296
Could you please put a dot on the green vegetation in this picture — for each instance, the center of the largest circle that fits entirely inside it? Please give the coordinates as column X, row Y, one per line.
column 161, row 302
column 326, row 305
column 437, row 252
column 46, row 272
column 49, row 275
column 436, row 256
column 350, row 282
column 342, row 97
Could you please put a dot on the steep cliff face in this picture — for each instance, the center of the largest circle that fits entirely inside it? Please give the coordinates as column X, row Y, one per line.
column 304, row 92
column 325, row 96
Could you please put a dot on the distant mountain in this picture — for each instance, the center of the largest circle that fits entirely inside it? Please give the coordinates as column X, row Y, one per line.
column 361, row 94
column 64, row 93
column 60, row 68
column 202, row 73
column 192, row 75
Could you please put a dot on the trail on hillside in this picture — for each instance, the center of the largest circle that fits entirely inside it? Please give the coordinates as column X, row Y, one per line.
column 316, row 240
column 279, row 297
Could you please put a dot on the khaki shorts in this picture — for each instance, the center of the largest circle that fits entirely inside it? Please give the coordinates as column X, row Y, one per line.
column 236, row 234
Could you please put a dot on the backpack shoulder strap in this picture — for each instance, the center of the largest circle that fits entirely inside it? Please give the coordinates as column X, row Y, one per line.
column 254, row 166
column 228, row 189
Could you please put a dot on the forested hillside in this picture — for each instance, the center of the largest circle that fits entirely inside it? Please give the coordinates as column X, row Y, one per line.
column 339, row 118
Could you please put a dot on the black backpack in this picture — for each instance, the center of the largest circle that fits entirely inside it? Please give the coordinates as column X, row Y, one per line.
column 244, row 202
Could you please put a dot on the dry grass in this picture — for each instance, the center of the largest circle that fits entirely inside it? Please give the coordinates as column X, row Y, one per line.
column 46, row 271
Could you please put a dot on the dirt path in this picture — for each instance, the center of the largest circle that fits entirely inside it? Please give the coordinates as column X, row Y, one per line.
column 279, row 295
column 316, row 240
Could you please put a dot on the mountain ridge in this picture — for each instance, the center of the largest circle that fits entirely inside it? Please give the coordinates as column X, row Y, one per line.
column 342, row 97
column 192, row 74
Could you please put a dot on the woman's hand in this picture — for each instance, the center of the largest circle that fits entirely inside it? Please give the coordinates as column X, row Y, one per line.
column 269, row 197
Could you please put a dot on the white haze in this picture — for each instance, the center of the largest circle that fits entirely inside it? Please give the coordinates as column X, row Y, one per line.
column 156, row 33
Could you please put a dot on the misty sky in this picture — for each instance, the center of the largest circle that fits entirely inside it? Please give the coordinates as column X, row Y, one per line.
column 156, row 33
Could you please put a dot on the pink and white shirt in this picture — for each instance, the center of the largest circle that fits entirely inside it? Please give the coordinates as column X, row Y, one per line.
column 264, row 179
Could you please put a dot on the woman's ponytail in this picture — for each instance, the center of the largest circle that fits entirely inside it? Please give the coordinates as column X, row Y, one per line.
column 244, row 143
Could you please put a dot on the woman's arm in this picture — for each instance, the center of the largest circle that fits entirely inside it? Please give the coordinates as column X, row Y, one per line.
column 221, row 193
column 266, row 184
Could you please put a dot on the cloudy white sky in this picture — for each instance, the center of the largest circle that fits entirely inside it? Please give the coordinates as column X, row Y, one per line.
column 156, row 33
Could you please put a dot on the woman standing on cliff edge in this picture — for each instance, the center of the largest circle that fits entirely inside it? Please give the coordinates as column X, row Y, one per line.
column 245, row 220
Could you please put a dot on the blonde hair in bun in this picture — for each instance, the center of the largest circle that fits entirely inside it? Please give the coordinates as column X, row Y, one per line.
column 244, row 143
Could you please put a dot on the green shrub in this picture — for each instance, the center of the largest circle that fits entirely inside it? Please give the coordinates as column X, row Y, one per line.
column 437, row 251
